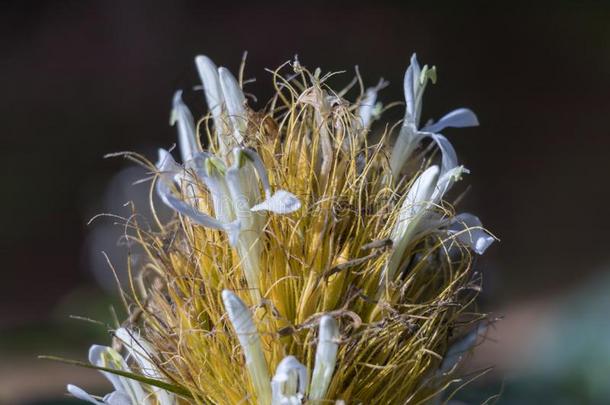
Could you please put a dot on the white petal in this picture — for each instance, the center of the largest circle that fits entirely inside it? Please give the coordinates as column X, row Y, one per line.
column 96, row 353
column 166, row 162
column 460, row 118
column 104, row 356
column 259, row 166
column 445, row 182
column 143, row 354
column 246, row 331
column 140, row 350
column 448, row 155
column 81, row 394
column 281, row 202
column 407, row 141
column 187, row 133
column 289, row 383
column 460, row 348
column 212, row 171
column 208, row 73
column 326, row 357
column 237, row 184
column 470, row 232
column 418, row 199
column 367, row 106
column 234, row 101
column 118, row 398
column 168, row 170
column 411, row 86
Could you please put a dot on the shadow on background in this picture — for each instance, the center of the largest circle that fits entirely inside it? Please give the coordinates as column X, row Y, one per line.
column 82, row 79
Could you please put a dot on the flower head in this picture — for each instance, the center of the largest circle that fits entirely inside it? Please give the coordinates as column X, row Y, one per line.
column 304, row 265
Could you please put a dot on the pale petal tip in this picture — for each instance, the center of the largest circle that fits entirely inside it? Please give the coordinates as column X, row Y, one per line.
column 165, row 159
column 177, row 96
column 95, row 353
column 203, row 59
column 230, row 299
column 281, row 202
column 225, row 73
column 433, row 170
column 227, row 295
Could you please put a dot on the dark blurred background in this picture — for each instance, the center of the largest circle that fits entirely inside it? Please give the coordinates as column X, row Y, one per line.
column 81, row 79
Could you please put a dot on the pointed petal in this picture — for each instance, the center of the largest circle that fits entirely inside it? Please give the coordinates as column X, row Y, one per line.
column 249, row 339
column 235, row 102
column 460, row 118
column 208, row 73
column 411, row 84
column 81, row 394
column 326, row 357
column 289, row 383
column 417, row 200
column 187, row 133
column 413, row 210
column 470, row 232
column 448, row 156
column 118, row 398
column 281, row 202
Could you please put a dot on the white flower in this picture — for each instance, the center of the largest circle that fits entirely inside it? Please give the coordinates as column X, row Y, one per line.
column 410, row 135
column 414, row 207
column 236, row 198
column 416, row 214
column 126, row 390
column 290, row 383
column 169, row 171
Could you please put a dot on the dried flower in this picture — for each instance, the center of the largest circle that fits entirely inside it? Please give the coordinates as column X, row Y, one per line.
column 303, row 265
